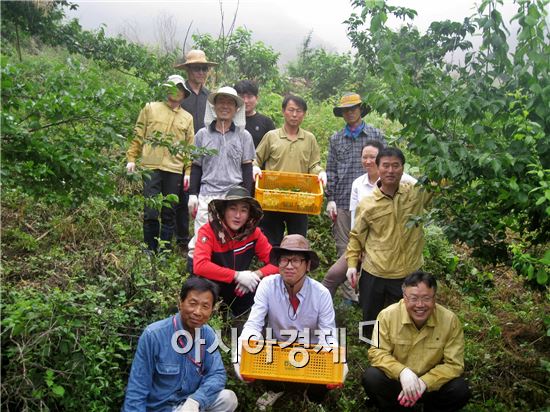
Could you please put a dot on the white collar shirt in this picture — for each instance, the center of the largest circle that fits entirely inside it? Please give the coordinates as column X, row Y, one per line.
column 312, row 323
column 362, row 187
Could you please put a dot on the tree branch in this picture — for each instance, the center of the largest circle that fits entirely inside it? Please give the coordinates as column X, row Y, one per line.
column 59, row 123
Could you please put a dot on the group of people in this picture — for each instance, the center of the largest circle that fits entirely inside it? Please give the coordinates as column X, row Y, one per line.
column 417, row 351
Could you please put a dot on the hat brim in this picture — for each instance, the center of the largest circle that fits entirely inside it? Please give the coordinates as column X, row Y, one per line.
column 338, row 111
column 186, row 92
column 256, row 211
column 277, row 251
column 186, row 64
column 212, row 98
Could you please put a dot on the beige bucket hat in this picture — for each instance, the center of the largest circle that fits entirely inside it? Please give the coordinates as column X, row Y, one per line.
column 194, row 57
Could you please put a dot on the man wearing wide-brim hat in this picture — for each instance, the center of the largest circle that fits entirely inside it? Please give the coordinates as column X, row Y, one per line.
column 197, row 67
column 344, row 166
column 229, row 165
column 227, row 245
column 293, row 301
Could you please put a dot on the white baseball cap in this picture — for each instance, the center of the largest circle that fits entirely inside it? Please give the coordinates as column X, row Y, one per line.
column 176, row 79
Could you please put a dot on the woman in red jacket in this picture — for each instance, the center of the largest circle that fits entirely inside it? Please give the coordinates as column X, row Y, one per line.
column 226, row 246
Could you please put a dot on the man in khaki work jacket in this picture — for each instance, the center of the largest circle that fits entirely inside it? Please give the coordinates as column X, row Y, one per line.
column 417, row 353
column 168, row 121
column 391, row 248
column 288, row 149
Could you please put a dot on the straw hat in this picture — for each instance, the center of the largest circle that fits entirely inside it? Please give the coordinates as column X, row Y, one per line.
column 194, row 57
column 350, row 100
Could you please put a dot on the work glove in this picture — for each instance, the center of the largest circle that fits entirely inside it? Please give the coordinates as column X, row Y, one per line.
column 240, row 291
column 237, row 367
column 130, row 167
column 332, row 210
column 256, row 171
column 247, row 279
column 331, row 386
column 323, row 178
column 408, row 402
column 412, row 389
column 190, row 405
column 193, row 205
column 185, row 183
column 351, row 275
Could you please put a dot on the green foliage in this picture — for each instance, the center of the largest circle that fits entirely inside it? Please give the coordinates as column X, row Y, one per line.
column 534, row 268
column 63, row 126
column 116, row 53
column 32, row 18
column 71, row 314
column 240, row 58
column 439, row 256
column 78, row 289
column 481, row 124
column 325, row 74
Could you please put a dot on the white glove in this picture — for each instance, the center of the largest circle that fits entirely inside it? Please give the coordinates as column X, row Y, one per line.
column 332, row 210
column 237, row 367
column 186, row 179
column 351, row 274
column 247, row 279
column 408, row 402
column 412, row 389
column 346, row 370
column 323, row 178
column 190, row 405
column 241, row 291
column 193, row 205
column 130, row 167
column 256, row 171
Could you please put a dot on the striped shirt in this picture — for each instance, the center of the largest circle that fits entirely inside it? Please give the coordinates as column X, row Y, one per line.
column 344, row 163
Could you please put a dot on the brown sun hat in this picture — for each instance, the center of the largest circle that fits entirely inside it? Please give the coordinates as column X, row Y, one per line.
column 294, row 243
column 194, row 57
column 350, row 100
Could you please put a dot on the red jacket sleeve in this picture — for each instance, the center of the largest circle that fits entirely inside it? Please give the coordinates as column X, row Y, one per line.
column 202, row 258
column 263, row 249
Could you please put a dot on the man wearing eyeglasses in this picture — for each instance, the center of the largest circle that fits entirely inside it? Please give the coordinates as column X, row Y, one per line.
column 293, row 301
column 174, row 368
column 197, row 67
column 417, row 353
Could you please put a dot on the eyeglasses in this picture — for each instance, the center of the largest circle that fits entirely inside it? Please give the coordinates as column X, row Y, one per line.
column 199, row 68
column 415, row 299
column 295, row 261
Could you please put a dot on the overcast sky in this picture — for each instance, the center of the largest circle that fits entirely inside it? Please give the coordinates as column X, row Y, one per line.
column 281, row 24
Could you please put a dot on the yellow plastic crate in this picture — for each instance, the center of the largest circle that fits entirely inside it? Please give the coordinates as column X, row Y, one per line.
column 321, row 367
column 289, row 192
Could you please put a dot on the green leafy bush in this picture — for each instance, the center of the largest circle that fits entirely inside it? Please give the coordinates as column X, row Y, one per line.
column 481, row 124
